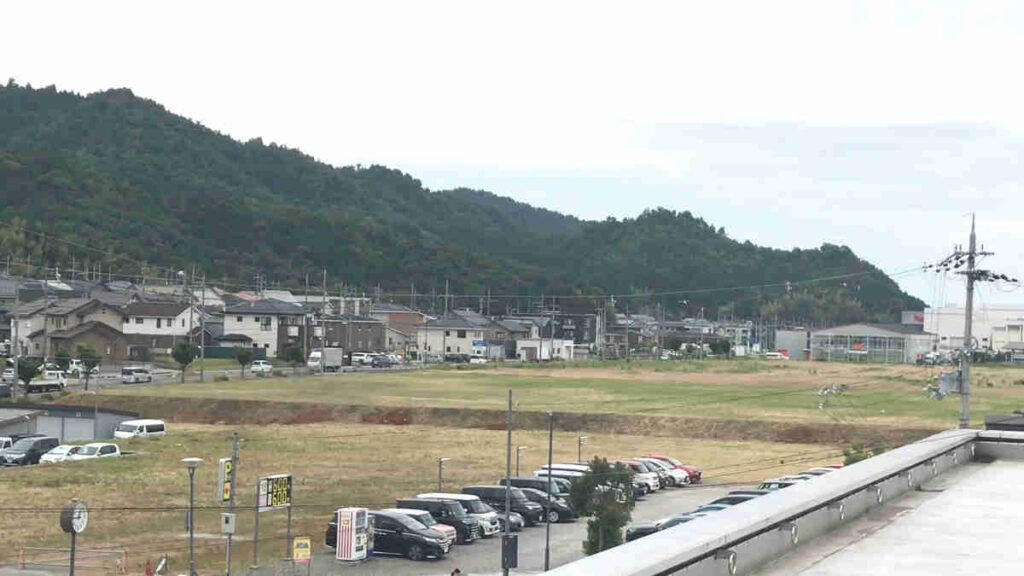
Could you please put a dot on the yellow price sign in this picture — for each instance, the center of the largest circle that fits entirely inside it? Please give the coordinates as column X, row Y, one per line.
column 302, row 549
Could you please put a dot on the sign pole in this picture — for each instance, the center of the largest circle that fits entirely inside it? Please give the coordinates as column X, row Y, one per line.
column 256, row 529
column 231, row 495
column 288, row 536
column 71, row 569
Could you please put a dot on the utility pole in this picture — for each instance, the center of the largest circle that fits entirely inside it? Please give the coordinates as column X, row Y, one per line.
column 202, row 334
column 323, row 329
column 305, row 321
column 16, row 343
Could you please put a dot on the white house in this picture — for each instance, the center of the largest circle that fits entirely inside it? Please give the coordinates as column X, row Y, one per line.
column 996, row 326
column 159, row 318
column 531, row 349
column 267, row 324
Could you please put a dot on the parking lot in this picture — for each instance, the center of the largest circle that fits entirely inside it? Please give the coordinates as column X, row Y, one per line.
column 483, row 556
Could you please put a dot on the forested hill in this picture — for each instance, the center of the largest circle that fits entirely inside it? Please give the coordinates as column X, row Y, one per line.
column 121, row 173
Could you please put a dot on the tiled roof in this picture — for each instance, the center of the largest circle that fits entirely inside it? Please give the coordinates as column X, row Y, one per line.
column 155, row 309
column 265, row 306
column 389, row 307
column 83, row 328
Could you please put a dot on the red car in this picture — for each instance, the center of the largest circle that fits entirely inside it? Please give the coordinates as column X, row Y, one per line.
column 692, row 471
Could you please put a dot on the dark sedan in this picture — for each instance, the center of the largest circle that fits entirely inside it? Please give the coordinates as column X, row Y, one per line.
column 647, row 528
column 559, row 510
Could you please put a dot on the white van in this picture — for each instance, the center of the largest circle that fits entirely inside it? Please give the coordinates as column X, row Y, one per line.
column 140, row 428
column 135, row 374
column 474, row 507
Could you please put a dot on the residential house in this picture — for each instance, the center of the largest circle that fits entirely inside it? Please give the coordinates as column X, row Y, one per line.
column 27, row 321
column 5, row 322
column 399, row 317
column 84, row 321
column 460, row 332
column 351, row 333
column 268, row 324
column 158, row 326
column 536, row 349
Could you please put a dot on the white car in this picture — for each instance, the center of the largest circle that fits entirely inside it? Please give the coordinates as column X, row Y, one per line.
column 8, row 375
column 261, row 367
column 140, row 429
column 775, row 356
column 97, row 450
column 77, row 369
column 135, row 374
column 360, row 358
column 477, row 359
column 61, row 453
column 679, row 477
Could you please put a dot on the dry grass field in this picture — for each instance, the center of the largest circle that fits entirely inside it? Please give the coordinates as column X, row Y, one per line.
column 137, row 502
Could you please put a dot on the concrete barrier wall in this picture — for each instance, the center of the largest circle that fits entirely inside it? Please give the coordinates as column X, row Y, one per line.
column 741, row 539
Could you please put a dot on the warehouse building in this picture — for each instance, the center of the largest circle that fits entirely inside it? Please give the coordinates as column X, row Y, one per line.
column 68, row 423
column 881, row 343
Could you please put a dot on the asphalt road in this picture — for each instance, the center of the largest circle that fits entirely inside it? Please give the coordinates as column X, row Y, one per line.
column 483, row 556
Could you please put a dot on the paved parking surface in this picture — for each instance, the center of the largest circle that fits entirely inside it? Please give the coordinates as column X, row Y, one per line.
column 483, row 557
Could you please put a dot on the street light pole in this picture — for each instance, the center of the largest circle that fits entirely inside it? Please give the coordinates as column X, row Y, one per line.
column 191, row 464
column 580, row 441
column 519, row 450
column 440, row 467
column 547, row 503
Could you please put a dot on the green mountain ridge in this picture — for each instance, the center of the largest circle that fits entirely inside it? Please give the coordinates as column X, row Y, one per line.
column 119, row 172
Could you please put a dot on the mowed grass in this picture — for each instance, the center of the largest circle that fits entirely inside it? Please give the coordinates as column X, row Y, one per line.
column 736, row 389
column 138, row 502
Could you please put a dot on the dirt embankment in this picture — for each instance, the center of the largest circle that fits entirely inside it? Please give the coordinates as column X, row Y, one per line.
column 257, row 412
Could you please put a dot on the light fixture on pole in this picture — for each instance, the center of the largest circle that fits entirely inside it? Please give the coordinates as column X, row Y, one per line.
column 519, row 450
column 440, row 467
column 580, row 441
column 191, row 464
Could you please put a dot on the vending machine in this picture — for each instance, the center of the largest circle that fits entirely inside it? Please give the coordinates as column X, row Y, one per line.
column 355, row 534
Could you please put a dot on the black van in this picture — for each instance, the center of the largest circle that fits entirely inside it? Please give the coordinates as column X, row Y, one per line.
column 399, row 535
column 450, row 512
column 558, row 486
column 28, row 450
column 531, row 512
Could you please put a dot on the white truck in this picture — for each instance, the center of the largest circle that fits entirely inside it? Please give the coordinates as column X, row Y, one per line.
column 333, row 358
column 46, row 381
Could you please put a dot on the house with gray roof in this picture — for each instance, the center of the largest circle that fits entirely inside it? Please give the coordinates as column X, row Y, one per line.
column 268, row 323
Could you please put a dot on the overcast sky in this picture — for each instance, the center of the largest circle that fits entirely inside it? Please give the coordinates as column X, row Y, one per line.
column 879, row 125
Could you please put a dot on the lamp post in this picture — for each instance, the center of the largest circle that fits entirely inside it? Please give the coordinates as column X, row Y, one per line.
column 580, row 441
column 440, row 468
column 191, row 464
column 519, row 450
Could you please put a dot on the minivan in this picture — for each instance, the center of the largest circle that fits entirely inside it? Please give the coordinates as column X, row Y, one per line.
column 559, row 487
column 135, row 374
column 473, row 506
column 28, row 450
column 450, row 512
column 140, row 428
column 494, row 496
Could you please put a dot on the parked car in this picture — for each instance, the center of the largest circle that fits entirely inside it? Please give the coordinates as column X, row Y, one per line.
column 77, row 369
column 473, row 506
column 261, row 367
column 640, row 530
column 7, row 375
column 774, row 356
column 135, row 375
column 641, row 472
column 733, row 499
column 395, row 359
column 450, row 512
column 695, row 474
column 712, row 508
column 776, row 484
column 424, row 517
column 27, row 451
column 360, row 358
column 820, row 471
column 47, row 381
column 379, row 361
column 457, row 358
column 559, row 486
column 676, row 476
column 97, row 450
column 6, row 442
column 61, row 453
column 556, row 508
column 5, row 390
column 750, row 492
column 398, row 535
column 664, row 478
column 140, row 428
column 494, row 496
column 477, row 359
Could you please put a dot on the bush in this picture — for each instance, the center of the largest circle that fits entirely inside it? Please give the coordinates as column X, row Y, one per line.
column 279, row 373
column 46, row 397
column 221, row 378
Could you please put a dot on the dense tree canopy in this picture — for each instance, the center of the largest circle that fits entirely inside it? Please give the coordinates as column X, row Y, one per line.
column 135, row 183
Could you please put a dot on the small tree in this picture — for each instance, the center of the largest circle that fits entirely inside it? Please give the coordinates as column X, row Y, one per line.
column 244, row 357
column 293, row 356
column 90, row 359
column 184, row 353
column 27, row 370
column 606, row 493
column 63, row 359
